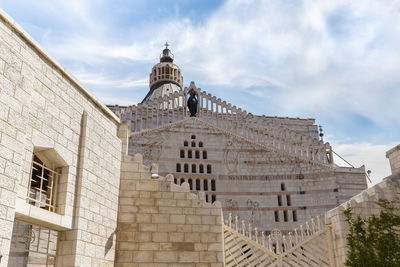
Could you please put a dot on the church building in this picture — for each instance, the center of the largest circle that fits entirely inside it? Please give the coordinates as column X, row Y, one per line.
column 274, row 172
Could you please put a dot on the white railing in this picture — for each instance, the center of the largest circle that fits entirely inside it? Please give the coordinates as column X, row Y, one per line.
column 172, row 108
column 306, row 246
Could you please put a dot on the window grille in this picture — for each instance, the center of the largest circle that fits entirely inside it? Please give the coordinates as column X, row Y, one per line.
column 42, row 188
column 30, row 241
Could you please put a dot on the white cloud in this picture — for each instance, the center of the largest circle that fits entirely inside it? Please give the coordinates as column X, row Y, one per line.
column 371, row 155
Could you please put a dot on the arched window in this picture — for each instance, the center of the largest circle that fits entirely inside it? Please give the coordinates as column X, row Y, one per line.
column 197, row 154
column 208, row 168
column 193, row 137
column 213, row 185
column 205, row 185
column 190, row 184
column 197, row 184
column 178, row 167
column 182, row 154
column 213, row 198
column 201, row 168
column 282, row 186
column 185, row 143
column 200, row 144
column 182, row 180
column 193, row 168
column 189, row 154
column 193, row 144
column 186, row 168
column 204, row 154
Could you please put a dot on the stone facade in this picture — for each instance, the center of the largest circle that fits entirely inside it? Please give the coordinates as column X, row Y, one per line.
column 44, row 110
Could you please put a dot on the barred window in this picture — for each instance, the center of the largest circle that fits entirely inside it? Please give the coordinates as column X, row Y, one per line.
column 42, row 190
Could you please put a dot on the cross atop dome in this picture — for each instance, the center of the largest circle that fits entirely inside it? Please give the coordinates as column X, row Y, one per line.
column 166, row 55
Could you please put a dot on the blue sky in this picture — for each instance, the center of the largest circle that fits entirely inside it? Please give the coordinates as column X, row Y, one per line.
column 336, row 61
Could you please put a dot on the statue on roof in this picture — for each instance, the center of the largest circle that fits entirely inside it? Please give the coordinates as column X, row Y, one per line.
column 192, row 104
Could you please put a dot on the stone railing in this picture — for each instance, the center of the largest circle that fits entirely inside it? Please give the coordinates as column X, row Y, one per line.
column 172, row 108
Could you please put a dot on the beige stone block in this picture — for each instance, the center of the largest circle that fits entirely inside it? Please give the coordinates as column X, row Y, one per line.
column 193, row 219
column 143, row 256
column 159, row 237
column 147, row 227
column 189, row 211
column 165, row 256
column 124, row 256
column 184, row 228
column 201, row 247
column 143, row 218
column 192, row 237
column 166, row 202
column 208, row 257
column 149, row 246
column 176, row 237
column 170, row 210
column 147, row 185
column 179, row 195
column 177, row 219
column 183, row 203
column 214, row 247
column 186, row 256
column 144, row 202
column 200, row 228
column 160, row 218
column 210, row 237
column 208, row 220
column 203, row 211
column 148, row 209
column 143, row 237
column 127, row 246
column 166, row 228
column 168, row 195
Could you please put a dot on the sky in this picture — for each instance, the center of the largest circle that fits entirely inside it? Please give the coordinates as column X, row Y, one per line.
column 335, row 61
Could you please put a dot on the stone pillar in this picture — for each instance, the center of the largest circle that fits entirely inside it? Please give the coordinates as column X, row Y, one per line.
column 394, row 158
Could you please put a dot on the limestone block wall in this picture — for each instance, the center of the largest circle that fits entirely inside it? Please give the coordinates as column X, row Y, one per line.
column 363, row 204
column 163, row 224
column 43, row 108
column 394, row 158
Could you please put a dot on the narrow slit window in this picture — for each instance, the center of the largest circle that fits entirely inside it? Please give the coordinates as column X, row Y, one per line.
column 279, row 200
column 285, row 217
column 282, row 186
column 206, row 198
column 294, row 214
column 213, row 198
column 198, row 184
column 193, row 168
column 288, row 201
column 178, row 167
column 205, row 185
column 190, row 184
column 186, row 168
column 201, row 168
column 276, row 215
column 212, row 185
column 208, row 168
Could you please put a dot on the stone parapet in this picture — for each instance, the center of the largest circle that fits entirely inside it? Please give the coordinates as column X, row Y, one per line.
column 394, row 158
